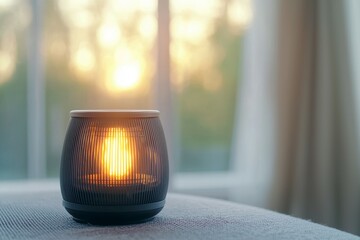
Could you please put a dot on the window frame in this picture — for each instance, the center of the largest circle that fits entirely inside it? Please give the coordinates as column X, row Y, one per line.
column 216, row 184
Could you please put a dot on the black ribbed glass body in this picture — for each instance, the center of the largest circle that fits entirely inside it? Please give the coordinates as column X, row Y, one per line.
column 114, row 160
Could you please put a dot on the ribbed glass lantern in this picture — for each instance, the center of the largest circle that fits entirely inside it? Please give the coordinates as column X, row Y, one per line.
column 114, row 166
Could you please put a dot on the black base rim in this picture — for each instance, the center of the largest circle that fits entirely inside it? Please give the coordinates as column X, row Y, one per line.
column 100, row 220
column 113, row 215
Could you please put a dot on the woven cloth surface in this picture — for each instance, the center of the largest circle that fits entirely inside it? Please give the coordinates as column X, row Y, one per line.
column 41, row 216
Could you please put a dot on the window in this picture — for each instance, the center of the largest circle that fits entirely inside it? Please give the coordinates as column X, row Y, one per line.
column 56, row 56
column 14, row 18
column 205, row 54
column 98, row 54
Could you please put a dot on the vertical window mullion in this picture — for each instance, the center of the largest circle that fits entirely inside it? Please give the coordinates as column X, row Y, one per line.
column 162, row 91
column 36, row 162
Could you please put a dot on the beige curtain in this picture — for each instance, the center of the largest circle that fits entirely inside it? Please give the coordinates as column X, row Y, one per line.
column 310, row 167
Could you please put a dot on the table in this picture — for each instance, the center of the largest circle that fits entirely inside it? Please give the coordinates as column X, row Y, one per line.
column 40, row 215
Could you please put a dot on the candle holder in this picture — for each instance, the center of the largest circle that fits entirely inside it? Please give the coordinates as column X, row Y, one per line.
column 114, row 166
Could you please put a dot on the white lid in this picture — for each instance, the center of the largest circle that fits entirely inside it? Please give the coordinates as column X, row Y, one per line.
column 113, row 113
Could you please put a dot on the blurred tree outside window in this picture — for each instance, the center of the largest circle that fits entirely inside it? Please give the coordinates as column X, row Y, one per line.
column 102, row 54
column 14, row 18
column 205, row 53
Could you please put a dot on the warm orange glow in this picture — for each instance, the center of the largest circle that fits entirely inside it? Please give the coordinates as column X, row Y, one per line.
column 117, row 159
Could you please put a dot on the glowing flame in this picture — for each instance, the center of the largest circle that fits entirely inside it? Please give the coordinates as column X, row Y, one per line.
column 117, row 159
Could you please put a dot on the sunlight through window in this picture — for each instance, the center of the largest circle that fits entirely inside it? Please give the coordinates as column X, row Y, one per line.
column 108, row 34
column 7, row 65
column 83, row 59
column 126, row 76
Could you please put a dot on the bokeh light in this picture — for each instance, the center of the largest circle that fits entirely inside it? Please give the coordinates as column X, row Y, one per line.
column 108, row 34
column 127, row 76
column 6, row 4
column 239, row 13
column 126, row 72
column 102, row 54
column 7, row 65
column 83, row 59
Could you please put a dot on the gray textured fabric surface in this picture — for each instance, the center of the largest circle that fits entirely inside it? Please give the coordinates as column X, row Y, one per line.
column 41, row 216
